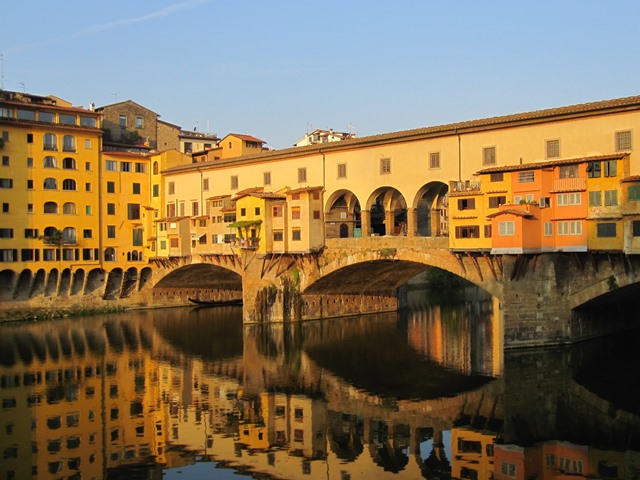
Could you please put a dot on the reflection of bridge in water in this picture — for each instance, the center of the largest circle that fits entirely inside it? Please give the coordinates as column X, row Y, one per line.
column 307, row 364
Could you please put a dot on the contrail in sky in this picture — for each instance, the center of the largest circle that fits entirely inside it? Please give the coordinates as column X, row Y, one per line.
column 176, row 7
column 169, row 10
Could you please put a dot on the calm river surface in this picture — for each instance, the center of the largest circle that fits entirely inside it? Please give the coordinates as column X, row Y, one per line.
column 190, row 393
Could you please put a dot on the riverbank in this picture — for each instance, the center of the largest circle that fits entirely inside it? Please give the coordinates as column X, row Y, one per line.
column 35, row 314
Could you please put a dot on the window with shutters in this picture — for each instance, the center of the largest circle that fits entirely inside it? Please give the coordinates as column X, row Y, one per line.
column 610, row 198
column 553, row 149
column 466, row 204
column 489, row 156
column 467, row 231
column 610, row 168
column 595, row 199
column 495, row 202
column 434, row 160
column 385, row 166
column 506, row 229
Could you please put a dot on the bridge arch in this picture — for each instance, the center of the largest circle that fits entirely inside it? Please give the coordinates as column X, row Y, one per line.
column 342, row 215
column 201, row 275
column 374, row 265
column 430, row 210
column 386, row 212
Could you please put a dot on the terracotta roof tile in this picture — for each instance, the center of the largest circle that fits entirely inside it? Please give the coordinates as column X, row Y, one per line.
column 451, row 129
column 552, row 163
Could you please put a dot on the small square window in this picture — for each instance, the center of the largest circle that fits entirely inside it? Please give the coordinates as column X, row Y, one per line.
column 623, row 141
column 553, row 149
column 434, row 160
column 489, row 156
column 385, row 166
column 342, row 170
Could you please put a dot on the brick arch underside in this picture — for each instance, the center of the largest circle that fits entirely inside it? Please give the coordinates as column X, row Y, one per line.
column 367, row 278
column 376, row 277
column 201, row 276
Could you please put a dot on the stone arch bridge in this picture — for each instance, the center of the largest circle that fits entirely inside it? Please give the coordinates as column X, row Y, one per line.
column 544, row 299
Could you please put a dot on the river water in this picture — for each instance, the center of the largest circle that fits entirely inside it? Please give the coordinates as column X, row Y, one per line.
column 189, row 393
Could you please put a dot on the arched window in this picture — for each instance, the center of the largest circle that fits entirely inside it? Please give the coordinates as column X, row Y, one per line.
column 69, row 236
column 68, row 143
column 50, row 184
column 68, row 184
column 49, row 231
column 69, row 163
column 50, row 207
column 155, row 168
column 50, row 162
column 69, row 208
column 50, row 142
column 109, row 254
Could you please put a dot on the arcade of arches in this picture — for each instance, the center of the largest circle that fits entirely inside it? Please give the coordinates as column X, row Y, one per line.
column 386, row 212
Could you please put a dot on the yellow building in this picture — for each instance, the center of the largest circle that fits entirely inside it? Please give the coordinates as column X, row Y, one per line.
column 630, row 192
column 254, row 212
column 231, row 146
column 125, row 195
column 305, row 231
column 605, row 228
column 49, row 187
column 156, row 224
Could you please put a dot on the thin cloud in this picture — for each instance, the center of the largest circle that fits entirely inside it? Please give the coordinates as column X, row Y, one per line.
column 169, row 10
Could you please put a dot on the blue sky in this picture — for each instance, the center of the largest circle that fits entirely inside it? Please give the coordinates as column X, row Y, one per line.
column 275, row 69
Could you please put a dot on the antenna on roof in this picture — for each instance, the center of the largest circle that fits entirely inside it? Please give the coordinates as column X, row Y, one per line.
column 24, row 89
column 115, row 94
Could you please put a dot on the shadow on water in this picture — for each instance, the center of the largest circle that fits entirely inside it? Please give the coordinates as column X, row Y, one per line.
column 208, row 333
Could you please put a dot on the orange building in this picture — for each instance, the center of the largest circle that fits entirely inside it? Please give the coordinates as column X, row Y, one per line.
column 567, row 205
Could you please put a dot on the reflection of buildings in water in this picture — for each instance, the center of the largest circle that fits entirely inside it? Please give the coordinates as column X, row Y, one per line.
column 558, row 460
column 459, row 337
column 123, row 397
column 83, row 401
column 472, row 454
